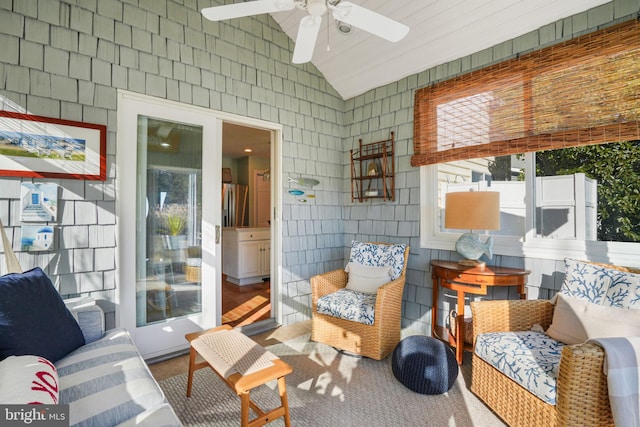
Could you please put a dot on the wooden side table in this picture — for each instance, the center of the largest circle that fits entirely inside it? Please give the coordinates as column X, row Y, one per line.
column 472, row 280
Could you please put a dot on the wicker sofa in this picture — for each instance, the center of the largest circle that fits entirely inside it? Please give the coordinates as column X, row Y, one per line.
column 582, row 397
column 375, row 341
column 534, row 361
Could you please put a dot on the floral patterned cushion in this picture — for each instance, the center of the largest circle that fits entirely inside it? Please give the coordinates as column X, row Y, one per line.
column 624, row 290
column 585, row 281
column 379, row 255
column 349, row 305
column 531, row 359
column 601, row 284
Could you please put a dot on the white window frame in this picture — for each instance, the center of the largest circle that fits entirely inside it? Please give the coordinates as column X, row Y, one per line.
column 528, row 246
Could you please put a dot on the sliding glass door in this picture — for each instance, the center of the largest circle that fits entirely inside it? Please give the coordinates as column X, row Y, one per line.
column 169, row 222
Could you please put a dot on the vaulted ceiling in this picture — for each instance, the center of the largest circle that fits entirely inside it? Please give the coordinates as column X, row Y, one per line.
column 440, row 31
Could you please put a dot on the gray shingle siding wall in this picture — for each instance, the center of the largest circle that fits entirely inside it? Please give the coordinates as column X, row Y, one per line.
column 373, row 115
column 67, row 59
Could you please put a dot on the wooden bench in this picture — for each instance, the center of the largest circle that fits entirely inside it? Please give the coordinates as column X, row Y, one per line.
column 243, row 365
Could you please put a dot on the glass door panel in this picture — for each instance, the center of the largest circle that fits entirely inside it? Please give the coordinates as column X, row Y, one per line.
column 168, row 229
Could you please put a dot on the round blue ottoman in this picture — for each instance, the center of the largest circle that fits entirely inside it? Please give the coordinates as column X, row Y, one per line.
column 425, row 365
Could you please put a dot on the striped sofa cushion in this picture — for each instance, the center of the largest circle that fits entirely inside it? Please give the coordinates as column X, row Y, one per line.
column 160, row 416
column 106, row 382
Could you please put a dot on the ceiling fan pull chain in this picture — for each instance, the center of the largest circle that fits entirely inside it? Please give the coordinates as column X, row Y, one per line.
column 328, row 44
column 344, row 12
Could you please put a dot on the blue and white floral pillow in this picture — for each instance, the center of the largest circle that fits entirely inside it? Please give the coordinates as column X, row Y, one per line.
column 601, row 284
column 379, row 255
column 624, row 290
column 585, row 281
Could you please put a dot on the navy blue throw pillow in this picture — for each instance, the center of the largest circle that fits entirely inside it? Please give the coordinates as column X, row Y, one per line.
column 34, row 319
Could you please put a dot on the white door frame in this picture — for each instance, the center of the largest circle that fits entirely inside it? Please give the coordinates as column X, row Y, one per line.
column 131, row 104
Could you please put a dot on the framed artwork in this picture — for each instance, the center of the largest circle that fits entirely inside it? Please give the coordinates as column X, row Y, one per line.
column 38, row 202
column 226, row 175
column 36, row 238
column 42, row 147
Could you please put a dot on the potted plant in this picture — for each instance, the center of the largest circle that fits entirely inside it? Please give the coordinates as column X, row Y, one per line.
column 175, row 222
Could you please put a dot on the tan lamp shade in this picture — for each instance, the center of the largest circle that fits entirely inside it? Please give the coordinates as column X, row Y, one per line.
column 472, row 210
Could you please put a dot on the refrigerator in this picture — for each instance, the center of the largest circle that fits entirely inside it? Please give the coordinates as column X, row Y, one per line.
column 235, row 205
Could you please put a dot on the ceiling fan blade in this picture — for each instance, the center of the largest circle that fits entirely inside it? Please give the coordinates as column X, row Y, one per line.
column 239, row 10
column 369, row 21
column 306, row 39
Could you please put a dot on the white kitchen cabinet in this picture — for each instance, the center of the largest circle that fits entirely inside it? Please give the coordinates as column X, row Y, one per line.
column 246, row 254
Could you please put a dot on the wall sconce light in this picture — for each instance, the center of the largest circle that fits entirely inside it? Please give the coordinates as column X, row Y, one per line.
column 473, row 210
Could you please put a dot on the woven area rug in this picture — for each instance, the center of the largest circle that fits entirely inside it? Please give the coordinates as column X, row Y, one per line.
column 330, row 388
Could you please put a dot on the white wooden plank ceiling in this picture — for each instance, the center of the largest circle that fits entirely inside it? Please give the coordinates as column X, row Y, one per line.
column 440, row 31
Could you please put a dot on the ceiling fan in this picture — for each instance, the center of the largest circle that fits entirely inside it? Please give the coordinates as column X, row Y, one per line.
column 344, row 11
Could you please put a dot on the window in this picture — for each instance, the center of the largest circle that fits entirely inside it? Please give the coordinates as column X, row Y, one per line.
column 583, row 201
column 580, row 92
column 567, row 106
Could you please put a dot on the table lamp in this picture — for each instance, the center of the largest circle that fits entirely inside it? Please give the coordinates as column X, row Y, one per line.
column 473, row 210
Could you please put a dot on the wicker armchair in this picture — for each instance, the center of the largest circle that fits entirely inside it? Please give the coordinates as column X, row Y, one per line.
column 374, row 341
column 582, row 397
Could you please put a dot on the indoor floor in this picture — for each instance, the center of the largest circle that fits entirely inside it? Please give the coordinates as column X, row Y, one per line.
column 243, row 305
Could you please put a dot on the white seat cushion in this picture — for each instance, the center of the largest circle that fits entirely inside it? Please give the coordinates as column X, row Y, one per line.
column 576, row 321
column 365, row 278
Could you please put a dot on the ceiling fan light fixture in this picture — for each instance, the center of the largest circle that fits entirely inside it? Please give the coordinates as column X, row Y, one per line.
column 343, row 27
column 349, row 14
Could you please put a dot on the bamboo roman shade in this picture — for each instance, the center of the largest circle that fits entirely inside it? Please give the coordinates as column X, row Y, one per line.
column 579, row 92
